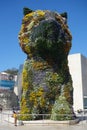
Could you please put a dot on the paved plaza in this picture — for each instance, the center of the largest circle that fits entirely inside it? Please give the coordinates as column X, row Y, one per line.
column 5, row 124
column 44, row 127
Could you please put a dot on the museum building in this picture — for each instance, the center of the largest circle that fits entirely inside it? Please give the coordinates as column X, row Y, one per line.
column 78, row 70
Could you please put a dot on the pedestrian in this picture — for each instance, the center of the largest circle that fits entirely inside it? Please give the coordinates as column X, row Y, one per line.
column 15, row 118
column 0, row 109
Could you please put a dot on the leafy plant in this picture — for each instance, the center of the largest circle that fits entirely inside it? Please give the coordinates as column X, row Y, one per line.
column 61, row 110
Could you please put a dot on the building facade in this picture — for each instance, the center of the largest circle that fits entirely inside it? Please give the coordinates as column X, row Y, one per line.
column 78, row 70
column 7, row 81
column 8, row 99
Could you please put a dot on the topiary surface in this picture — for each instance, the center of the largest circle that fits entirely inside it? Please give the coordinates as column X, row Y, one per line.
column 46, row 82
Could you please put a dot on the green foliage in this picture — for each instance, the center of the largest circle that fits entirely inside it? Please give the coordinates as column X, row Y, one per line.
column 47, row 41
column 68, row 92
column 61, row 110
column 50, row 50
column 48, row 30
column 12, row 71
column 54, row 82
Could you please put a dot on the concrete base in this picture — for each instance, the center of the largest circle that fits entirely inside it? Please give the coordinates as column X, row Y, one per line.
column 41, row 122
column 51, row 122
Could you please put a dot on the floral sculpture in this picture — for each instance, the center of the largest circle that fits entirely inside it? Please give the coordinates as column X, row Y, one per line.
column 46, row 82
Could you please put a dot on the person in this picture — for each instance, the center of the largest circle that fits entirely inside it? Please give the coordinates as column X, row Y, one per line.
column 15, row 118
column 0, row 109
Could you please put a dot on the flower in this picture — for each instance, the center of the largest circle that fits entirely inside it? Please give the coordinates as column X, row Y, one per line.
column 41, row 13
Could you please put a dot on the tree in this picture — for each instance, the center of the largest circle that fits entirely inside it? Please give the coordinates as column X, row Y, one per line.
column 12, row 71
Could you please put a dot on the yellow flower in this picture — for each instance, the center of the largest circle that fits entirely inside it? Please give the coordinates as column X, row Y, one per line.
column 26, row 40
column 29, row 27
column 54, row 76
column 27, row 49
column 25, row 86
column 42, row 102
column 28, row 16
column 41, row 13
column 24, row 74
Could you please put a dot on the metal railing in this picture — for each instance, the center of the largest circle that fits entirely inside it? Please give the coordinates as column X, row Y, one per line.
column 6, row 117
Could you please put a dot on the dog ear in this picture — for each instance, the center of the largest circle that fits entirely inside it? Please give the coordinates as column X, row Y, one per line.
column 26, row 11
column 64, row 15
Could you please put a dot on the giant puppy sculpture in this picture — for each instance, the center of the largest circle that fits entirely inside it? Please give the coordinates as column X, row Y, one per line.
column 46, row 82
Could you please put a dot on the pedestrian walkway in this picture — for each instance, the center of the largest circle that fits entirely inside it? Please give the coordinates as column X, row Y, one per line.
column 5, row 125
column 44, row 127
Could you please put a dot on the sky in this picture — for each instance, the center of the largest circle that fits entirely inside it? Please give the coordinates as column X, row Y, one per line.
column 11, row 14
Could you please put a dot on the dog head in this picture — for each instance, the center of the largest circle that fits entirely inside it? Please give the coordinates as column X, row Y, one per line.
column 45, row 34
